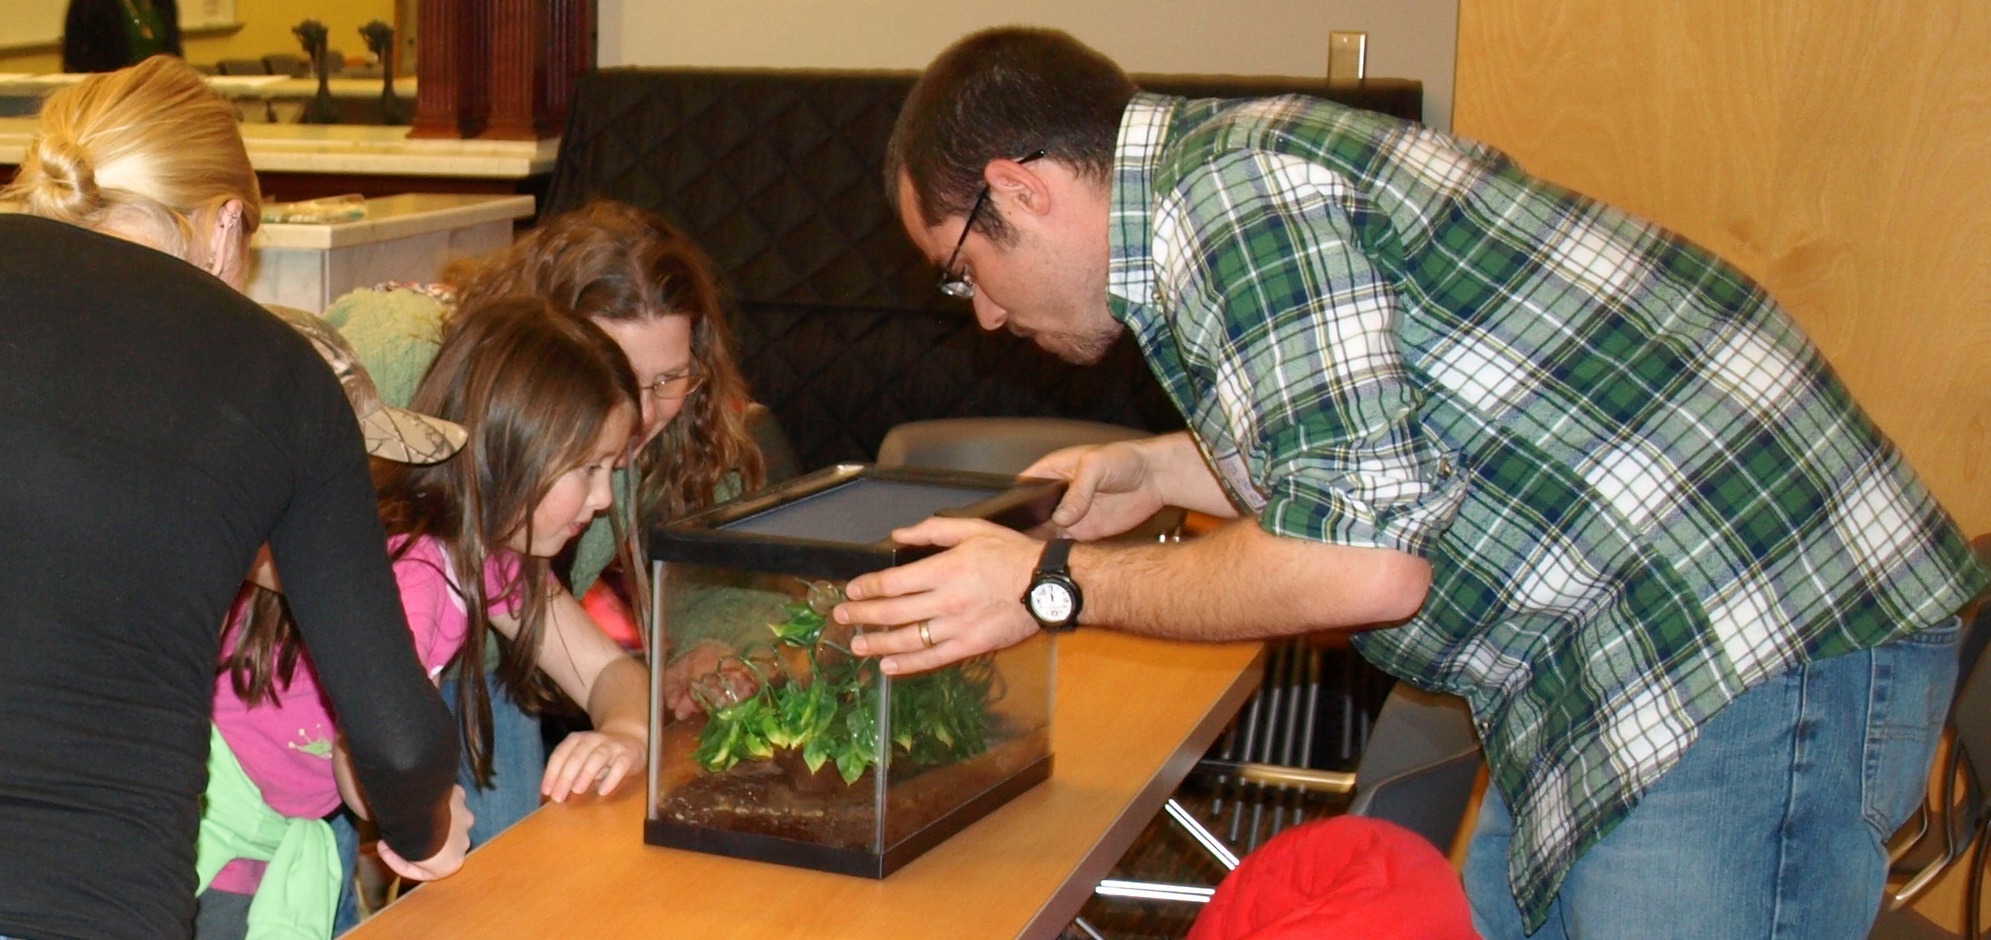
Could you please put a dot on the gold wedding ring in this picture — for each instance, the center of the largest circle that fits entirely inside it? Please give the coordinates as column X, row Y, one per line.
column 926, row 635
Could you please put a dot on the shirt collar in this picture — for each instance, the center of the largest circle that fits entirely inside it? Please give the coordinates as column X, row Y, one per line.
column 1144, row 129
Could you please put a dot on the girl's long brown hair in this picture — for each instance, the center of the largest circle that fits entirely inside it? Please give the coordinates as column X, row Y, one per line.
column 264, row 651
column 534, row 389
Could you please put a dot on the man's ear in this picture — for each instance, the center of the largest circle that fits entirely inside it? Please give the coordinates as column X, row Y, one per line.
column 1020, row 187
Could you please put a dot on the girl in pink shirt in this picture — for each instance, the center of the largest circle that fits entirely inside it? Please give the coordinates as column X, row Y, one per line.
column 549, row 405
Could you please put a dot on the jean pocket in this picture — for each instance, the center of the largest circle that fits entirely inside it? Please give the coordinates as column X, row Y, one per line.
column 1913, row 681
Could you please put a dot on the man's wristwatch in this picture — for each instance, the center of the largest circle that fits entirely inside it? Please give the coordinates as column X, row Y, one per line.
column 1054, row 598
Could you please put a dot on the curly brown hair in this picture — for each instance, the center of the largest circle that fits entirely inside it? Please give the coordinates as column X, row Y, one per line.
column 614, row 262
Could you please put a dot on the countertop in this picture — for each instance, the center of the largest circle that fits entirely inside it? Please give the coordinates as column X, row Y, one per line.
column 23, row 84
column 389, row 217
column 355, row 149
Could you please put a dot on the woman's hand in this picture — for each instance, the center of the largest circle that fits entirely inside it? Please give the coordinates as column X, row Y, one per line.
column 591, row 760
column 447, row 859
column 704, row 665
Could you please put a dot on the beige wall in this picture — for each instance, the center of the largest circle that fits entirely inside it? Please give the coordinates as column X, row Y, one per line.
column 1407, row 38
column 266, row 28
column 1838, row 150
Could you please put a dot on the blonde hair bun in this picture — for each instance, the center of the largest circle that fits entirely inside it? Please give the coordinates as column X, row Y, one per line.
column 60, row 181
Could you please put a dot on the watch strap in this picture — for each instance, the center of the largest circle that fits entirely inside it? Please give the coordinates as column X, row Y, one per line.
column 1053, row 568
column 1056, row 557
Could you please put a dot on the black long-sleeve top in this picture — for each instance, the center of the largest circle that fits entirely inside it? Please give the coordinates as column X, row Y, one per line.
column 155, row 428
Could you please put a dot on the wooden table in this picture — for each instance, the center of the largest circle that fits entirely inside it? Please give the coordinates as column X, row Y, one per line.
column 1132, row 715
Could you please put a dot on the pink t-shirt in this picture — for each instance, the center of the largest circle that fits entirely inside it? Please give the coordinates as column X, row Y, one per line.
column 286, row 747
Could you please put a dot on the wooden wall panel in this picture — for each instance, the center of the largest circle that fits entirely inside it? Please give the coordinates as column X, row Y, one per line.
column 1837, row 150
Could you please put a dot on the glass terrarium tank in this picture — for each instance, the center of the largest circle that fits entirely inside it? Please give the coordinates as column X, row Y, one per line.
column 770, row 741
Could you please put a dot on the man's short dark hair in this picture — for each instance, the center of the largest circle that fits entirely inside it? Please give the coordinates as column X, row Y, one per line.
column 1001, row 94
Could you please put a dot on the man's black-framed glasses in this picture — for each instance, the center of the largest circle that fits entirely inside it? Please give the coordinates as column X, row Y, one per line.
column 955, row 284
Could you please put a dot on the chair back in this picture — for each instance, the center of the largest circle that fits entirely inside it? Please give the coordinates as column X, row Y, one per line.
column 1420, row 765
column 990, row 445
column 1970, row 714
column 1414, row 729
column 776, row 453
column 1419, row 760
column 1970, row 722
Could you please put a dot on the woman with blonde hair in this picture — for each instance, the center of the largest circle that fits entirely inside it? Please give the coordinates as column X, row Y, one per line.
column 141, row 482
column 149, row 154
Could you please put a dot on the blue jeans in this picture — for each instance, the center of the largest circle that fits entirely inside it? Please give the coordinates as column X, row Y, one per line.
column 518, row 761
column 345, row 834
column 1774, row 824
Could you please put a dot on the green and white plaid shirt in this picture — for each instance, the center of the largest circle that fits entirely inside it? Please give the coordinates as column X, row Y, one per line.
column 1640, row 488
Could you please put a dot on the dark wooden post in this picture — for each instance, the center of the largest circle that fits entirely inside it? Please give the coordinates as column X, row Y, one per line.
column 452, row 68
column 438, row 84
column 500, row 69
column 518, row 63
column 572, row 44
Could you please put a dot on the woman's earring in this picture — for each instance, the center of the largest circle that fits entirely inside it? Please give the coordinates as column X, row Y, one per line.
column 225, row 225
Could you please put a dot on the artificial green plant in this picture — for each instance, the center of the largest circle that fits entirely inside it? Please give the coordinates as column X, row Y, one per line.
column 831, row 714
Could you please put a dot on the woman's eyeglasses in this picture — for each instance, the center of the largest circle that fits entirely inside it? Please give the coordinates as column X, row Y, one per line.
column 674, row 385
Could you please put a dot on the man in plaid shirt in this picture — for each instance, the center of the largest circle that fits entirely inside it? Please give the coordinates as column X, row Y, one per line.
column 1573, row 467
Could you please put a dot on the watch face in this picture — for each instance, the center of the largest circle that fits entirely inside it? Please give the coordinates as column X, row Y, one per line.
column 1051, row 603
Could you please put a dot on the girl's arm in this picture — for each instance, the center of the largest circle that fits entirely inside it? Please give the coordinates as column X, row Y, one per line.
column 614, row 688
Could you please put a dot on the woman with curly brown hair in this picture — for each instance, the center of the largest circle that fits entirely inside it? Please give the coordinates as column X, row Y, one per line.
column 651, row 290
